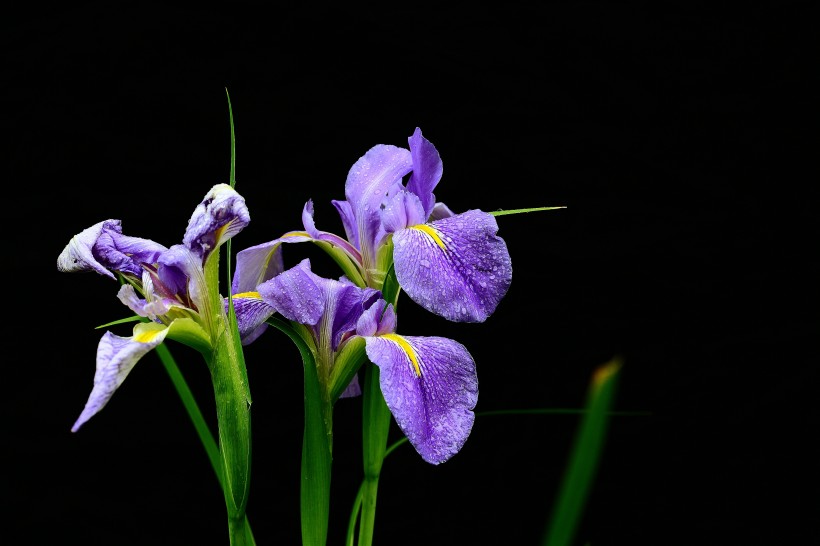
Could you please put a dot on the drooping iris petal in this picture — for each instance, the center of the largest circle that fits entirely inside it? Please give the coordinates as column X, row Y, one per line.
column 78, row 254
column 126, row 254
column 221, row 215
column 431, row 387
column 103, row 248
column 456, row 267
column 295, row 294
column 251, row 313
column 427, row 170
column 257, row 264
column 116, row 357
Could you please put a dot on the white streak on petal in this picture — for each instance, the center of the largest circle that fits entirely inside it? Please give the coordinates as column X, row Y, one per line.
column 77, row 255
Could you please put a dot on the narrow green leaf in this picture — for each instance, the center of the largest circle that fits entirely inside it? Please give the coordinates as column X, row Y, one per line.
column 584, row 457
column 188, row 400
column 232, row 178
column 519, row 211
column 135, row 318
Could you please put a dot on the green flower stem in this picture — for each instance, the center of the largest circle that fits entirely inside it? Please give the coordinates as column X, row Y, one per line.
column 204, row 433
column 376, row 425
column 317, row 447
column 233, row 402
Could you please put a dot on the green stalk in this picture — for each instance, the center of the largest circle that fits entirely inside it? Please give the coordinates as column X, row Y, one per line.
column 375, row 426
column 198, row 420
column 317, row 447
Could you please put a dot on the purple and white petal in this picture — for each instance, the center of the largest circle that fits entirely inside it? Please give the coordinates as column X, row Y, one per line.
column 456, row 267
column 427, row 170
column 144, row 308
column 295, row 294
column 78, row 254
column 432, row 403
column 221, row 215
column 116, row 357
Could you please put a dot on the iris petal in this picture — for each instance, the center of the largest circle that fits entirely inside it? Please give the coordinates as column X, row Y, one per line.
column 221, row 215
column 251, row 314
column 116, row 357
column 257, row 264
column 434, row 409
column 78, row 256
column 456, row 267
column 427, row 170
column 295, row 294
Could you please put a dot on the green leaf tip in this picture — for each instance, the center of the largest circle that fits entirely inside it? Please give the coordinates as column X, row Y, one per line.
column 233, row 142
column 519, row 211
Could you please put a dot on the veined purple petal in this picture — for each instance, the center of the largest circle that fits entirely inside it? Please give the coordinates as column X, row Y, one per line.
column 456, row 267
column 257, row 264
column 221, row 215
column 295, row 294
column 427, row 170
column 116, row 357
column 103, row 248
column 431, row 399
column 251, row 314
column 126, row 254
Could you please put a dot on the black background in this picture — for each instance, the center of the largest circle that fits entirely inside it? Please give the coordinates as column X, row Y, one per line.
column 679, row 138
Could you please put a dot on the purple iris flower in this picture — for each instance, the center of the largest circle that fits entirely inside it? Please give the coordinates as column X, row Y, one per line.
column 165, row 285
column 429, row 383
column 453, row 265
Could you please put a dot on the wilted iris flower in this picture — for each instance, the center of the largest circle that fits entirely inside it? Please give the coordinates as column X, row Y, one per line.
column 429, row 383
column 166, row 286
column 453, row 265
